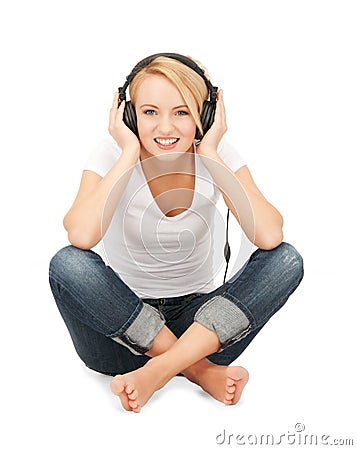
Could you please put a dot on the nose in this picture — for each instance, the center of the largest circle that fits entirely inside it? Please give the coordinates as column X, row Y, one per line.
column 165, row 125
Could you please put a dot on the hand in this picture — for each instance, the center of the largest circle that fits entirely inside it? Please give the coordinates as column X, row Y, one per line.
column 124, row 137
column 212, row 138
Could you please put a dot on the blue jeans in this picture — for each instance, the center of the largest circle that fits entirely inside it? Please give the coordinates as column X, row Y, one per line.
column 112, row 328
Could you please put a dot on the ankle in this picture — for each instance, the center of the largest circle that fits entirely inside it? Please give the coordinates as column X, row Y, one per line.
column 160, row 369
column 195, row 372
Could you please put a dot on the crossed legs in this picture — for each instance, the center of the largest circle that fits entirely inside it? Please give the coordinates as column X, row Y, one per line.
column 94, row 302
column 95, row 305
column 169, row 356
column 263, row 287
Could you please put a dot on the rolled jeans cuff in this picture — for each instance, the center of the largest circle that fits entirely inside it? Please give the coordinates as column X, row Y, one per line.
column 140, row 335
column 226, row 319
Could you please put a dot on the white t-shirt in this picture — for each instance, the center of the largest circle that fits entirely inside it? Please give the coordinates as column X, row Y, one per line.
column 159, row 256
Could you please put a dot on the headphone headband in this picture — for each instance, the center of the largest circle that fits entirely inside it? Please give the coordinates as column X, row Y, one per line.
column 181, row 58
column 208, row 107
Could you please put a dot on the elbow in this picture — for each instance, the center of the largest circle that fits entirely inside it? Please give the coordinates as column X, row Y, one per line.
column 272, row 236
column 81, row 240
column 79, row 237
column 270, row 241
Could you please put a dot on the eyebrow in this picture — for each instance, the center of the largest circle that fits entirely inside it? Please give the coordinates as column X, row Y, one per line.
column 154, row 106
column 180, row 106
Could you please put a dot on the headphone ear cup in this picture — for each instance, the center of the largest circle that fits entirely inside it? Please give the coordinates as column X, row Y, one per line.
column 207, row 115
column 129, row 118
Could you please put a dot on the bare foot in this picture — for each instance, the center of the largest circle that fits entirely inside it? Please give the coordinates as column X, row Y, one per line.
column 224, row 383
column 135, row 388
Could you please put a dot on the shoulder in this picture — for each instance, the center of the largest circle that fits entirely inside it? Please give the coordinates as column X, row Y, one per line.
column 107, row 146
column 103, row 156
column 230, row 155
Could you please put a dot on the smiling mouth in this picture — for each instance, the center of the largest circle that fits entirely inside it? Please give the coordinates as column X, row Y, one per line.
column 166, row 142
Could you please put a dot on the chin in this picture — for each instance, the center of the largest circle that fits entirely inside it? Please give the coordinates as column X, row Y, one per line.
column 171, row 154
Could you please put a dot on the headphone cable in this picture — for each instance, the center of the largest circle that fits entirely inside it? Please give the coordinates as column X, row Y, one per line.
column 227, row 249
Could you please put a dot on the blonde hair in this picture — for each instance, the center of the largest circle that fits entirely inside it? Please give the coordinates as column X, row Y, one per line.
column 190, row 84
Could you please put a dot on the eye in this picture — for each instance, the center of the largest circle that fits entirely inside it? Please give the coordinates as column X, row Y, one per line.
column 149, row 112
column 182, row 113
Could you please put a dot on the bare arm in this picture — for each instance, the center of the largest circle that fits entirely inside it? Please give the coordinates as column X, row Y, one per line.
column 89, row 217
column 91, row 213
column 259, row 219
column 268, row 220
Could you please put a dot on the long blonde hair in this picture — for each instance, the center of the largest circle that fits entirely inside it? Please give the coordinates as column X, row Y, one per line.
column 189, row 83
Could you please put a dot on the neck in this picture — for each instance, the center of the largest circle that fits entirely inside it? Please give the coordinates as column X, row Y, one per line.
column 167, row 163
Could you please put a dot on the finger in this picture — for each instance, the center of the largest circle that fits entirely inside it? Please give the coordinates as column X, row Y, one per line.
column 113, row 109
column 115, row 112
column 115, row 100
column 221, row 110
column 220, row 101
column 120, row 111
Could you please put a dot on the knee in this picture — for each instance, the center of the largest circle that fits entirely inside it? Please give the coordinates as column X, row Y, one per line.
column 284, row 267
column 67, row 261
column 291, row 260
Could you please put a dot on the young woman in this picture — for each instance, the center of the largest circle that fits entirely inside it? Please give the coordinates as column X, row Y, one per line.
column 143, row 307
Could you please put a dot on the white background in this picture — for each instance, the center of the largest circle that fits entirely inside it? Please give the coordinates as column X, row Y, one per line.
column 289, row 71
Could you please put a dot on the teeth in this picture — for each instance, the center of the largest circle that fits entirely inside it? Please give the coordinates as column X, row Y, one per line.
column 166, row 141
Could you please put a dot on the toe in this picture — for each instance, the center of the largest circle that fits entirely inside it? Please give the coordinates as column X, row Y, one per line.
column 230, row 389
column 133, row 395
column 117, row 384
column 125, row 401
column 129, row 388
column 134, row 405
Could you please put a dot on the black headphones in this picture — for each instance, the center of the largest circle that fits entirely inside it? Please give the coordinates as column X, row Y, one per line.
column 209, row 106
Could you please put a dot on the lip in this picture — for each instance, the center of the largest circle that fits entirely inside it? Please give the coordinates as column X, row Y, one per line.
column 169, row 146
